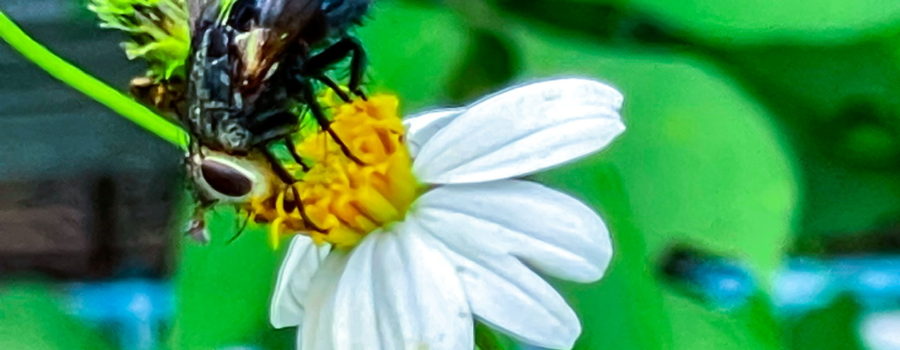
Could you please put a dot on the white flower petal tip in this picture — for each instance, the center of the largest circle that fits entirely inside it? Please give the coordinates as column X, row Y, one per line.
column 509, row 297
column 550, row 231
column 495, row 233
column 521, row 131
column 300, row 264
column 420, row 128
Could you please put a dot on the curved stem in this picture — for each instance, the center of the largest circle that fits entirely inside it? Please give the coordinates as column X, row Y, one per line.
column 88, row 85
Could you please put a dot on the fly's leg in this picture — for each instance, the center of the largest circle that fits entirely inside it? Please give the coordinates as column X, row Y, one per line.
column 302, row 209
column 271, row 126
column 292, row 149
column 286, row 178
column 310, row 98
column 240, row 230
column 277, row 125
column 196, row 228
column 316, row 65
column 289, row 180
column 284, row 133
column 333, row 86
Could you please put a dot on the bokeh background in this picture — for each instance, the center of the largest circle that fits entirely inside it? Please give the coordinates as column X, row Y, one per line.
column 754, row 201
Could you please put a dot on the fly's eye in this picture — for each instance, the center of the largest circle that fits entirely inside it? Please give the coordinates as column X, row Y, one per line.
column 226, row 179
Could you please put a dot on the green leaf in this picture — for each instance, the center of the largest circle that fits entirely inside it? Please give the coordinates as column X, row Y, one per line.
column 841, row 106
column 413, row 50
column 223, row 289
column 839, row 319
column 490, row 62
column 744, row 21
column 32, row 318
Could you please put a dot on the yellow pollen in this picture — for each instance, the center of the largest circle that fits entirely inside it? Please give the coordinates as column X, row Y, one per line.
column 345, row 200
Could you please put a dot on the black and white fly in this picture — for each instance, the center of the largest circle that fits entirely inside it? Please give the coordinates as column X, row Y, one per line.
column 250, row 64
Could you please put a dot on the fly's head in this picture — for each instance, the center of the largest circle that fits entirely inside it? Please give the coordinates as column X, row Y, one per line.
column 222, row 178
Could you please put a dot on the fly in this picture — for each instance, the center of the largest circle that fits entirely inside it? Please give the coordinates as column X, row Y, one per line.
column 250, row 63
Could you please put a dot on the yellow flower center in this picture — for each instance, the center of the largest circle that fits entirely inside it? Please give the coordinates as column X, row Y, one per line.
column 343, row 199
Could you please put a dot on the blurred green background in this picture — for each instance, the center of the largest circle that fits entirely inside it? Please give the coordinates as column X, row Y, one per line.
column 757, row 130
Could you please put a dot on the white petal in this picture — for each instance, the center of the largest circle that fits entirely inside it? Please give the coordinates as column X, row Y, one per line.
column 398, row 292
column 357, row 328
column 420, row 128
column 316, row 333
column 508, row 296
column 487, row 228
column 549, row 230
column 521, row 131
column 881, row 330
column 297, row 269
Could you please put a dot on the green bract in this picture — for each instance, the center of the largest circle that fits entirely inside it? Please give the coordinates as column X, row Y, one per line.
column 157, row 29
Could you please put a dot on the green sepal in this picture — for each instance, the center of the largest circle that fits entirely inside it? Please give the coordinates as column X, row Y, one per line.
column 158, row 32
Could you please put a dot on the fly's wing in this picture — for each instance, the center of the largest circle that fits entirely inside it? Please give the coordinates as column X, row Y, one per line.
column 263, row 31
column 289, row 16
column 237, row 48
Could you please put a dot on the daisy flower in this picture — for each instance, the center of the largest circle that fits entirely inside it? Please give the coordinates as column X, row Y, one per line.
column 433, row 230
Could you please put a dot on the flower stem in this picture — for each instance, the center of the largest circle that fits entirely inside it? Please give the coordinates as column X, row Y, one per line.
column 88, row 85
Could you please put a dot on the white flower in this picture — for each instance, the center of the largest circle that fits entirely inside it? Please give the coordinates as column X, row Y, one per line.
column 468, row 248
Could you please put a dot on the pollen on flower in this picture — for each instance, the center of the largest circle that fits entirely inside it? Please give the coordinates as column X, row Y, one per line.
column 342, row 199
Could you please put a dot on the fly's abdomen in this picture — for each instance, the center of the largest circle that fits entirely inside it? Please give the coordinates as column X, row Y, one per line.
column 214, row 114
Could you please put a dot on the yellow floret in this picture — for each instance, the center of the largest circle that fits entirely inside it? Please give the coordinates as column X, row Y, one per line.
column 345, row 200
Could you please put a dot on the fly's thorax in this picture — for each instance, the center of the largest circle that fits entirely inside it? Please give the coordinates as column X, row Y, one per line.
column 211, row 115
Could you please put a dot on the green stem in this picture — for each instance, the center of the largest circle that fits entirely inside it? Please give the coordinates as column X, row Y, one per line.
column 88, row 85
